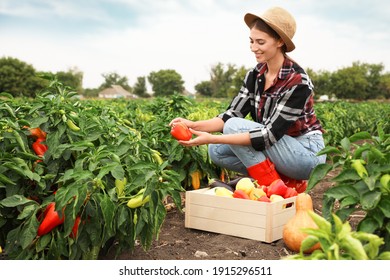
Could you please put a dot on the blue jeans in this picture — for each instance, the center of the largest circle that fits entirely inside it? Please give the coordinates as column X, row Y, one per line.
column 294, row 157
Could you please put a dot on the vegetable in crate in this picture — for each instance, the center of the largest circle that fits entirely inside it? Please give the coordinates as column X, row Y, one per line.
column 246, row 185
column 240, row 194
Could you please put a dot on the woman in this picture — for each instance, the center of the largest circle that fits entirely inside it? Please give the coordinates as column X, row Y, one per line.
column 285, row 135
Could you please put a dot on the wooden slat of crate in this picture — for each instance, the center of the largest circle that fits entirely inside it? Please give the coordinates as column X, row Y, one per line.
column 237, row 217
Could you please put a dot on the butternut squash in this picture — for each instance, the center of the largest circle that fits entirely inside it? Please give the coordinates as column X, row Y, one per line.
column 292, row 234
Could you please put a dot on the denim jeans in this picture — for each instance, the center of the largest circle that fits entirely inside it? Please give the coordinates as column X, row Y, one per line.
column 294, row 157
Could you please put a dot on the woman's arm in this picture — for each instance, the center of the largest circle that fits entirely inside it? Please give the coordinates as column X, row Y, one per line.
column 203, row 138
column 212, row 125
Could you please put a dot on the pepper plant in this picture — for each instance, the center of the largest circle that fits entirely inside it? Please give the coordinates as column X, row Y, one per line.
column 363, row 181
column 90, row 148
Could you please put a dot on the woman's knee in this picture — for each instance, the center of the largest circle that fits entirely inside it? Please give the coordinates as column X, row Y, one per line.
column 213, row 154
column 231, row 126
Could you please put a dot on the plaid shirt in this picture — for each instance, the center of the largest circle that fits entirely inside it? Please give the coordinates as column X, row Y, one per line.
column 284, row 108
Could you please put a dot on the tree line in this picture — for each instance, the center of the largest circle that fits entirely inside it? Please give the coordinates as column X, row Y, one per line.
column 361, row 81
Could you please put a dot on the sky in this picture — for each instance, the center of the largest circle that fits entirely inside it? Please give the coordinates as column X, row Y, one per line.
column 135, row 37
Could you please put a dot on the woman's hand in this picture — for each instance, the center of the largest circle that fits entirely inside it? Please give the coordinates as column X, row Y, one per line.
column 201, row 138
column 188, row 123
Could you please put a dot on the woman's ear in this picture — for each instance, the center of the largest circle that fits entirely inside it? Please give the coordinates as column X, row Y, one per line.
column 280, row 43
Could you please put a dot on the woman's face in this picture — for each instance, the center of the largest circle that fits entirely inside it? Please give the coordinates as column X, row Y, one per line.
column 264, row 46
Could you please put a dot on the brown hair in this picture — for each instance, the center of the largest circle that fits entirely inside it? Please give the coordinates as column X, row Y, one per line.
column 262, row 26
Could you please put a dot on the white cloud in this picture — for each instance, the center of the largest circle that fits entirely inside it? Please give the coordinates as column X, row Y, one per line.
column 188, row 36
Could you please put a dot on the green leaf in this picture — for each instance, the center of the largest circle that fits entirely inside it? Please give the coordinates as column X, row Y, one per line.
column 345, row 144
column 360, row 150
column 43, row 242
column 348, row 201
column 353, row 247
column 342, row 191
column 28, row 232
column 384, row 206
column 368, row 224
column 376, row 155
column 27, row 211
column 384, row 256
column 308, row 242
column 362, row 135
column 4, row 179
column 329, row 150
column 108, row 212
column 318, row 173
column 373, row 243
column 321, row 222
column 370, row 200
column 15, row 200
column 346, row 175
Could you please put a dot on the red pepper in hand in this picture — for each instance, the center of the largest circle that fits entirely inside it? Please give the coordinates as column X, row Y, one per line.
column 39, row 148
column 181, row 132
column 50, row 221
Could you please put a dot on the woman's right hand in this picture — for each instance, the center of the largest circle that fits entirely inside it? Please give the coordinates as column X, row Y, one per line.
column 188, row 123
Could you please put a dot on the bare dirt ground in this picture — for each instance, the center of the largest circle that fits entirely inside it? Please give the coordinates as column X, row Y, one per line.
column 179, row 243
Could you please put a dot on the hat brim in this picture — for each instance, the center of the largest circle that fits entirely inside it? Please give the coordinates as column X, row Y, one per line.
column 249, row 18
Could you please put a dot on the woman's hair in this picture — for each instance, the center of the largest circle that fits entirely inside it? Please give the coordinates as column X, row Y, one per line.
column 262, row 26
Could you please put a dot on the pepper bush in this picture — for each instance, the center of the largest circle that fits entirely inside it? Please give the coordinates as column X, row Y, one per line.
column 362, row 183
column 78, row 172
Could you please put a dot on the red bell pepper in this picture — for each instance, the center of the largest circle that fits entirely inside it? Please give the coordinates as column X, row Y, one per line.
column 264, row 198
column 181, row 132
column 50, row 221
column 37, row 133
column 277, row 187
column 75, row 228
column 240, row 194
column 290, row 193
column 39, row 148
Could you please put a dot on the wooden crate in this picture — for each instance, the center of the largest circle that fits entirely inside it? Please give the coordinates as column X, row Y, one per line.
column 250, row 219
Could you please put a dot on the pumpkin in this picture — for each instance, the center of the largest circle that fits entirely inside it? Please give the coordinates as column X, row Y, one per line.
column 292, row 234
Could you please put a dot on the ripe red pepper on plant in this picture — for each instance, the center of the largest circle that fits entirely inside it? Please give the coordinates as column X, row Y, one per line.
column 39, row 148
column 50, row 221
column 75, row 228
column 181, row 132
column 37, row 133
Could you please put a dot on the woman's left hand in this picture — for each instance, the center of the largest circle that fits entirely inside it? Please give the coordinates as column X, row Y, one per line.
column 201, row 138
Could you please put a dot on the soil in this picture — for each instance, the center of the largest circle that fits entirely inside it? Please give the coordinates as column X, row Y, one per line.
column 179, row 243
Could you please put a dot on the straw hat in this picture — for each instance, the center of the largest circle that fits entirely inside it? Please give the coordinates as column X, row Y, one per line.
column 279, row 20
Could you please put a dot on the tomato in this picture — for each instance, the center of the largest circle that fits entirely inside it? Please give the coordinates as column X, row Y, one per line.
column 181, row 132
